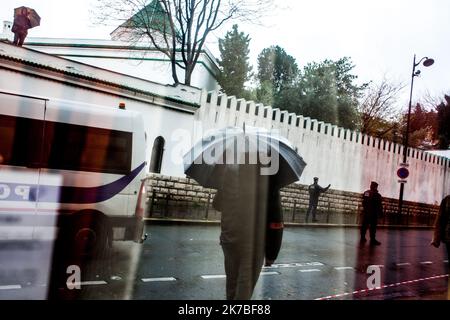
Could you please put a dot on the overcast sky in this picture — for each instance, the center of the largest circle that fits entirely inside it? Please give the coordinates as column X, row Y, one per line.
column 380, row 36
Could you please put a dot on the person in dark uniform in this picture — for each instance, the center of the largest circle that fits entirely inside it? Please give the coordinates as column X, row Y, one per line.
column 372, row 209
column 251, row 227
column 314, row 192
column 20, row 27
column 442, row 226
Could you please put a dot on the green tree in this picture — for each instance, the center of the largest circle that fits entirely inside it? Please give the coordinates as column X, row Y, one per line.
column 289, row 99
column 234, row 63
column 328, row 92
column 422, row 127
column 265, row 94
column 276, row 69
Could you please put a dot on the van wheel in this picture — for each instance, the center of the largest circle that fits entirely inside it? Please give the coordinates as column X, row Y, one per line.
column 91, row 236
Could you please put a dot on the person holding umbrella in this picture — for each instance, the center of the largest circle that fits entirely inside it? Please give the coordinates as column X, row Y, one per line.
column 250, row 207
column 24, row 18
column 248, row 197
column 20, row 26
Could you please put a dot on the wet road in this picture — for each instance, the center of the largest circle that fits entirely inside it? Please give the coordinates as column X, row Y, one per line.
column 186, row 262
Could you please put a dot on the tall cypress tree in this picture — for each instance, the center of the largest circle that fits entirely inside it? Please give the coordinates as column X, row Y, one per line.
column 277, row 74
column 234, row 66
column 277, row 67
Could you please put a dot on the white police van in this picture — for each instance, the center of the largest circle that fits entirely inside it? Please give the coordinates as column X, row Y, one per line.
column 70, row 169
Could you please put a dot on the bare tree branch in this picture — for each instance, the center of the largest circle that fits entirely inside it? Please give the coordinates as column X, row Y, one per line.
column 378, row 108
column 176, row 28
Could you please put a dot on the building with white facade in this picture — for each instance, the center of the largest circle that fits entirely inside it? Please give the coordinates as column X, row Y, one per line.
column 138, row 60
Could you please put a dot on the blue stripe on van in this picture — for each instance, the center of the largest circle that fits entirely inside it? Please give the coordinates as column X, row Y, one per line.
column 63, row 194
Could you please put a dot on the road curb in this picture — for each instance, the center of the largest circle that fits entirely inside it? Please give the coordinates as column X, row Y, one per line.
column 165, row 221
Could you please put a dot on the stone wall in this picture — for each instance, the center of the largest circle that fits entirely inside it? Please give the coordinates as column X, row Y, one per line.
column 183, row 198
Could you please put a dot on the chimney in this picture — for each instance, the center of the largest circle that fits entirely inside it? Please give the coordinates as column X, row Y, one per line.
column 7, row 33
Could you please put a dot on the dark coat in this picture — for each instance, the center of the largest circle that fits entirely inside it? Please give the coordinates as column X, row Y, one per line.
column 275, row 226
column 442, row 224
column 251, row 211
column 21, row 24
column 315, row 190
column 372, row 204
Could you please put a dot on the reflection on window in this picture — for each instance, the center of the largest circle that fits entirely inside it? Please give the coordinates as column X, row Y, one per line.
column 91, row 149
column 65, row 146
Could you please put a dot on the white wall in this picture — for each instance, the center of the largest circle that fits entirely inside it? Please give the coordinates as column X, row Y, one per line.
column 158, row 121
column 347, row 165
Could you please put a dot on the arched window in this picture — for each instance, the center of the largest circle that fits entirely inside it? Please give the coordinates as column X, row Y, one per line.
column 157, row 155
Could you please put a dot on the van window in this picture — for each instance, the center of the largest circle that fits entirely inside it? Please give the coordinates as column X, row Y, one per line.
column 20, row 141
column 81, row 148
column 66, row 146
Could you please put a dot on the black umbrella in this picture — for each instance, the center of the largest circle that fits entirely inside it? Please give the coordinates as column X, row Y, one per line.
column 275, row 155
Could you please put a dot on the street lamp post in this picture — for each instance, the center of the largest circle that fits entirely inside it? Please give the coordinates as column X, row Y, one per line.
column 426, row 63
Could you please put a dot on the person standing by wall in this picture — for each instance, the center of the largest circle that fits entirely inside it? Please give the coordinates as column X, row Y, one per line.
column 372, row 209
column 314, row 192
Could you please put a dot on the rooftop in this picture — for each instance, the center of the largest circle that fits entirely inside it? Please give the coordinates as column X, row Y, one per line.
column 183, row 94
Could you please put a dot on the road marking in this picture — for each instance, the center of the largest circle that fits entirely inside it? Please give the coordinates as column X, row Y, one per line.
column 344, row 268
column 403, row 264
column 294, row 265
column 11, row 287
column 426, row 262
column 310, row 270
column 158, row 279
column 269, row 273
column 217, row 276
column 382, row 287
column 86, row 283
